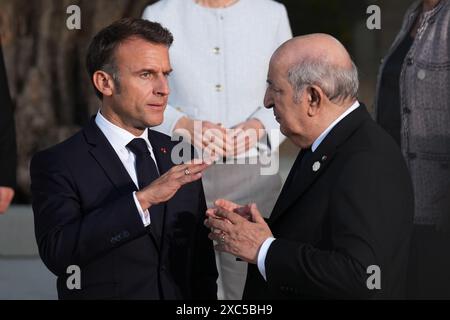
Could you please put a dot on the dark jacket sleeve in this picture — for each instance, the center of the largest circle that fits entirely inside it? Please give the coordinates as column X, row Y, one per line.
column 363, row 206
column 7, row 132
column 65, row 234
column 205, row 271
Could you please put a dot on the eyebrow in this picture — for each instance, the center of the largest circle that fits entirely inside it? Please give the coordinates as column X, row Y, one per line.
column 269, row 82
column 153, row 71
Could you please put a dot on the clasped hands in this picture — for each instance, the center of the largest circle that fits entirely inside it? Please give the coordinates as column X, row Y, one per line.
column 219, row 141
column 239, row 230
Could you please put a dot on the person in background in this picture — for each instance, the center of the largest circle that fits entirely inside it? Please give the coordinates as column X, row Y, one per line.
column 220, row 58
column 7, row 141
column 413, row 106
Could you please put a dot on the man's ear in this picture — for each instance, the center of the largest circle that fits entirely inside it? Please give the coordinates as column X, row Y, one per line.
column 103, row 82
column 315, row 97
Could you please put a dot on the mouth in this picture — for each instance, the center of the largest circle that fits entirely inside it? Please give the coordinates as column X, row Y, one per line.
column 157, row 107
column 277, row 118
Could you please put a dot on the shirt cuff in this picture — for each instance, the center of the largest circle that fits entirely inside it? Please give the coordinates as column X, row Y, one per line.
column 145, row 215
column 262, row 256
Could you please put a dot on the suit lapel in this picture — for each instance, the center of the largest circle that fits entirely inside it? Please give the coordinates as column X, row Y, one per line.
column 114, row 169
column 318, row 162
column 162, row 153
column 311, row 170
column 107, row 158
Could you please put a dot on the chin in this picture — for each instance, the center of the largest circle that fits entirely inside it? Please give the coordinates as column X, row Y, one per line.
column 154, row 121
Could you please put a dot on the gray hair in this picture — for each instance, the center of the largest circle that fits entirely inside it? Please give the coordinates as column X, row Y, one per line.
column 337, row 82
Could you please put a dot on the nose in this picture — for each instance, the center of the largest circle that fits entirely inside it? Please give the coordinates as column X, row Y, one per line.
column 162, row 87
column 268, row 101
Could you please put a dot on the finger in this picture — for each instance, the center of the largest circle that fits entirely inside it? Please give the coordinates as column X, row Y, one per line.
column 220, row 224
column 243, row 211
column 229, row 215
column 192, row 168
column 236, row 132
column 246, row 138
column 206, row 125
column 185, row 179
column 215, row 236
column 211, row 213
column 219, row 247
column 218, row 140
column 196, row 167
column 213, row 151
column 255, row 214
column 226, row 204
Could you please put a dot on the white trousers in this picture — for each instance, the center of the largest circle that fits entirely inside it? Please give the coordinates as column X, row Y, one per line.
column 242, row 184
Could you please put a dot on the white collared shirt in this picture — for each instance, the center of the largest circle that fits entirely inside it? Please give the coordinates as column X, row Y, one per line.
column 266, row 244
column 119, row 138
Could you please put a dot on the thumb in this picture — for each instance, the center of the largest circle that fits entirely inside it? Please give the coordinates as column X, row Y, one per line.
column 255, row 214
column 228, row 205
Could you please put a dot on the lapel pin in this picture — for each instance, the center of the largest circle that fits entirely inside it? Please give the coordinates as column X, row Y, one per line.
column 316, row 166
column 163, row 150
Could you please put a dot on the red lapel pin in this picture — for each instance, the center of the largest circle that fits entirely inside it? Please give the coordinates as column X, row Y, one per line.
column 163, row 150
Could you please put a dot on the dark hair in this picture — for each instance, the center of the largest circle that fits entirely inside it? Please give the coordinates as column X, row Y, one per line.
column 100, row 55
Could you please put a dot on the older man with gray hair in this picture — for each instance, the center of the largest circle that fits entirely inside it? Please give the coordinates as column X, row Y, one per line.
column 342, row 224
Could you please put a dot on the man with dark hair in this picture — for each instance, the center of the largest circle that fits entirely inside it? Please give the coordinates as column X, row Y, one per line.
column 109, row 199
column 7, row 141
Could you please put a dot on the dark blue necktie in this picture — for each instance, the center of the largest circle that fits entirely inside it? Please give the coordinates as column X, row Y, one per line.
column 298, row 166
column 145, row 166
column 146, row 173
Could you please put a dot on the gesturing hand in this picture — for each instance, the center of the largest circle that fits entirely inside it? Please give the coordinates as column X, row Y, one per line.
column 165, row 187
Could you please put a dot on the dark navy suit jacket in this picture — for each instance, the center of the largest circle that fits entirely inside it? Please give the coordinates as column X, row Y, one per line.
column 349, row 207
column 85, row 215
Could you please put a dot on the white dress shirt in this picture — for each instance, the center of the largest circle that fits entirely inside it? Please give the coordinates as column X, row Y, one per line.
column 119, row 138
column 266, row 244
column 220, row 58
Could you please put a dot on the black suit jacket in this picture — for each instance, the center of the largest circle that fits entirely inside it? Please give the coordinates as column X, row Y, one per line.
column 330, row 225
column 85, row 215
column 7, row 132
